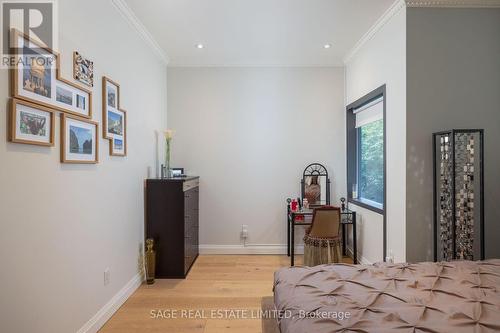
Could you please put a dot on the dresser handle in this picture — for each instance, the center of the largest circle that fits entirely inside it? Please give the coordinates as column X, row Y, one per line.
column 187, row 216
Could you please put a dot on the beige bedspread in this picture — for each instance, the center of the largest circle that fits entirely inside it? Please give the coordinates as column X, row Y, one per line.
column 460, row 296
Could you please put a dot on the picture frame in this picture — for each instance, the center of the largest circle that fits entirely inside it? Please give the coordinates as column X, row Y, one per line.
column 83, row 69
column 177, row 172
column 118, row 144
column 79, row 140
column 37, row 79
column 110, row 101
column 31, row 123
column 114, row 119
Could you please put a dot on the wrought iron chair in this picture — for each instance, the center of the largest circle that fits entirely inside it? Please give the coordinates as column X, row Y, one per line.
column 322, row 242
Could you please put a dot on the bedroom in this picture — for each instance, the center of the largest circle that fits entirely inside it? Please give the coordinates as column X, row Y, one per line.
column 253, row 92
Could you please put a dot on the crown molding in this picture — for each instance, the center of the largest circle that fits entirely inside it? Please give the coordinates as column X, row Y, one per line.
column 129, row 15
column 249, row 65
column 379, row 24
column 454, row 3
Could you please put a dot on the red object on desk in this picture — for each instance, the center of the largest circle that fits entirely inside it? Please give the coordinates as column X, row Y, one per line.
column 294, row 205
column 299, row 218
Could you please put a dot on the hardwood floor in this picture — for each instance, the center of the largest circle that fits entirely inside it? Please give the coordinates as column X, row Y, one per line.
column 215, row 283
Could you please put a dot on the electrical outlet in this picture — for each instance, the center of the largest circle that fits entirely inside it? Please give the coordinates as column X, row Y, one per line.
column 107, row 276
column 244, row 231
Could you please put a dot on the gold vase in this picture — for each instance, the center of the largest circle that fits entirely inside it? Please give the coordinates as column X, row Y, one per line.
column 150, row 261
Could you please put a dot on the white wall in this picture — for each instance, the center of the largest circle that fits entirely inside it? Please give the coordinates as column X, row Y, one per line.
column 382, row 60
column 62, row 225
column 249, row 133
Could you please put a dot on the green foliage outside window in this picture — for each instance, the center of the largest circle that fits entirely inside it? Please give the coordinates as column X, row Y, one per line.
column 371, row 164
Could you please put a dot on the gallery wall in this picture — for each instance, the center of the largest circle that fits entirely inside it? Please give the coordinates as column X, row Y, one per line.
column 63, row 225
column 453, row 82
column 382, row 60
column 249, row 132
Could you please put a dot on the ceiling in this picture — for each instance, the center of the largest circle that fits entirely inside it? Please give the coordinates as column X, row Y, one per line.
column 257, row 32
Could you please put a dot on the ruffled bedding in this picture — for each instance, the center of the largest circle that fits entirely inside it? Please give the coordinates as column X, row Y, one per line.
column 458, row 297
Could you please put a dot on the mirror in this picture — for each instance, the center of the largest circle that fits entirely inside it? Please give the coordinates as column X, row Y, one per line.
column 316, row 185
column 315, row 190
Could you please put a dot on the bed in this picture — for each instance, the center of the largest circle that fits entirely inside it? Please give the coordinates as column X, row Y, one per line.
column 459, row 296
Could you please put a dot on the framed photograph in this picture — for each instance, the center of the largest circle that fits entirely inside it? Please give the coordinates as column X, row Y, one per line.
column 117, row 125
column 177, row 172
column 31, row 124
column 118, row 146
column 79, row 140
column 83, row 69
column 37, row 79
column 114, row 118
column 115, row 122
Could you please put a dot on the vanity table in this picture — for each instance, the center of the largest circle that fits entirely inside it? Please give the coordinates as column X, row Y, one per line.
column 298, row 218
column 315, row 187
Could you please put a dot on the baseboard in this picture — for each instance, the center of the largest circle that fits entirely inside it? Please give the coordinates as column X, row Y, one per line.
column 263, row 249
column 249, row 249
column 102, row 316
column 362, row 260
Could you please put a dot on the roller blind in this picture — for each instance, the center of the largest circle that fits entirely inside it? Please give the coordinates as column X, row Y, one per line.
column 369, row 112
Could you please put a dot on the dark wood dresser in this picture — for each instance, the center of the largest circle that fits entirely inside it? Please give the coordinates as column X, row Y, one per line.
column 172, row 221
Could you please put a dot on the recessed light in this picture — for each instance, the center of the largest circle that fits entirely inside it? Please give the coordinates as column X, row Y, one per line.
column 327, row 46
column 199, row 46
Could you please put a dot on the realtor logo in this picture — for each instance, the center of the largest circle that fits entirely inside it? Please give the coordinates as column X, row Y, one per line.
column 35, row 19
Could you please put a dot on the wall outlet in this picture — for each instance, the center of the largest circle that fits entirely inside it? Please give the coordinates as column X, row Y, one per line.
column 107, row 276
column 244, row 231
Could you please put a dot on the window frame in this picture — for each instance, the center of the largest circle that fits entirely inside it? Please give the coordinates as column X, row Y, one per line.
column 352, row 153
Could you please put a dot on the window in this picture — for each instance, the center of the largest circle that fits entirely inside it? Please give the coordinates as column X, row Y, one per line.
column 365, row 151
column 371, row 163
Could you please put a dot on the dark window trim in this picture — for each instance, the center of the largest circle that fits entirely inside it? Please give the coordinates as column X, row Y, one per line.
column 352, row 155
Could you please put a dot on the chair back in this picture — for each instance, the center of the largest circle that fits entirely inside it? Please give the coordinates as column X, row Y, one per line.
column 326, row 222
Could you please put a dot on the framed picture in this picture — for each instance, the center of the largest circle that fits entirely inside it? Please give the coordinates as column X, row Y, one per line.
column 83, row 69
column 111, row 116
column 117, row 128
column 118, row 147
column 37, row 79
column 177, row 172
column 79, row 140
column 115, row 123
column 114, row 118
column 31, row 124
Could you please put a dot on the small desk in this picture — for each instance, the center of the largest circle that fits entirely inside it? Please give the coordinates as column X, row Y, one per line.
column 346, row 217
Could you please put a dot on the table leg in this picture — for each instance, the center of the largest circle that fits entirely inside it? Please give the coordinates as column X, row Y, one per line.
column 354, row 239
column 288, row 234
column 344, row 241
column 292, row 243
